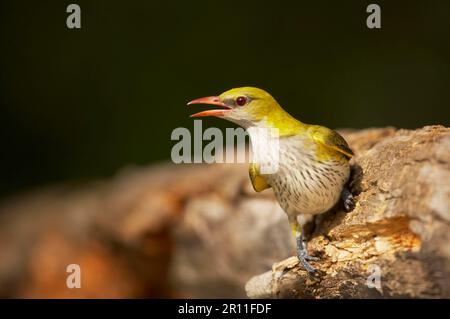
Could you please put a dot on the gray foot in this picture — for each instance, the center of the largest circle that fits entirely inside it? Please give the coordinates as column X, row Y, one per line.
column 303, row 256
column 347, row 198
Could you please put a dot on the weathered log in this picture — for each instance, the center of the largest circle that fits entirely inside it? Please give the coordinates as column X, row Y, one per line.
column 201, row 231
column 399, row 229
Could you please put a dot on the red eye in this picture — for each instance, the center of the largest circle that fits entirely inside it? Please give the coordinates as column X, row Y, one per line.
column 241, row 101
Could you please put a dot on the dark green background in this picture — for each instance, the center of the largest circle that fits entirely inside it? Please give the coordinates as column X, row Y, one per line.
column 79, row 104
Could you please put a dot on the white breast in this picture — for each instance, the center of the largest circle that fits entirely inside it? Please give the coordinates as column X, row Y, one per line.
column 302, row 184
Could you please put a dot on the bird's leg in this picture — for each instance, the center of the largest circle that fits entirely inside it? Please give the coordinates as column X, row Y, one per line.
column 348, row 200
column 302, row 252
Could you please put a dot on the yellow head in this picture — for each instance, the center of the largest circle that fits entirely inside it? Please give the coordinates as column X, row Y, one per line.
column 245, row 106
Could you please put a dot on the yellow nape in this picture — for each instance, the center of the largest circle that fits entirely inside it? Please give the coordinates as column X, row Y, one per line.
column 265, row 108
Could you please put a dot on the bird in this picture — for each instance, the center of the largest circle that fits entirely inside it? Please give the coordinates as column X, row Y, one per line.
column 313, row 166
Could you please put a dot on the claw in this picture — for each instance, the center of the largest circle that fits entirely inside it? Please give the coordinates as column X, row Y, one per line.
column 349, row 204
column 310, row 269
column 349, row 201
column 303, row 257
column 312, row 258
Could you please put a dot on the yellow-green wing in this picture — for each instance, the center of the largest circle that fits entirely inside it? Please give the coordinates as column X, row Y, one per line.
column 331, row 140
column 258, row 181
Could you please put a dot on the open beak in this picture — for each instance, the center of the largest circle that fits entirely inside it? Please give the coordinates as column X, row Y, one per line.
column 211, row 100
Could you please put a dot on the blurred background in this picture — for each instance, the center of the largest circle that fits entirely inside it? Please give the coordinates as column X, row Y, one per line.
column 79, row 105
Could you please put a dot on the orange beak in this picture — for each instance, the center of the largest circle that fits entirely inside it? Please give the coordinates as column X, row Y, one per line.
column 211, row 100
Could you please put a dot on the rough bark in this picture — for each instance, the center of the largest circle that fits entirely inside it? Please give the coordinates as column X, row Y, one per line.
column 201, row 231
column 399, row 228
